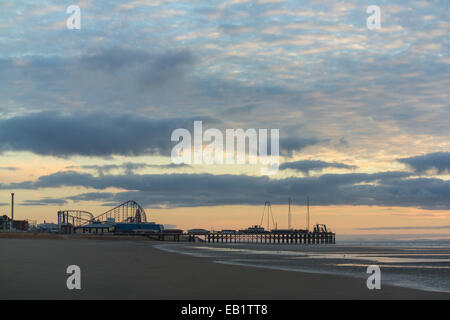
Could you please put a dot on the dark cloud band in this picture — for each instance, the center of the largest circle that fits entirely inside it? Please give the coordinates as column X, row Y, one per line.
column 88, row 134
column 439, row 161
column 190, row 190
column 104, row 134
column 306, row 166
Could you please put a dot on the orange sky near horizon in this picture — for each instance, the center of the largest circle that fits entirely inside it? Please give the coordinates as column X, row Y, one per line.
column 343, row 219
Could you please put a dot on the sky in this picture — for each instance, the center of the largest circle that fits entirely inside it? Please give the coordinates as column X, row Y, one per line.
column 86, row 115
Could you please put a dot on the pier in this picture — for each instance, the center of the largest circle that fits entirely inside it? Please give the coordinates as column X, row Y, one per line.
column 273, row 238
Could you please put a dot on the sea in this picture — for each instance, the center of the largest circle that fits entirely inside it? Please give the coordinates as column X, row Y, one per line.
column 423, row 265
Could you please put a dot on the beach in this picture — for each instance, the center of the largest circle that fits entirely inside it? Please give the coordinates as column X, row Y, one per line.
column 422, row 265
column 110, row 269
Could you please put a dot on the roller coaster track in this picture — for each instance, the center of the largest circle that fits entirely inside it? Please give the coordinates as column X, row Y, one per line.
column 129, row 212
column 75, row 217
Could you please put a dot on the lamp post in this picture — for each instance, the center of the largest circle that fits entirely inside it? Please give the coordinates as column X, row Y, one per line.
column 12, row 212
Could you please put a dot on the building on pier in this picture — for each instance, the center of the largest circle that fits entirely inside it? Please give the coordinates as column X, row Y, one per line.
column 253, row 230
column 198, row 232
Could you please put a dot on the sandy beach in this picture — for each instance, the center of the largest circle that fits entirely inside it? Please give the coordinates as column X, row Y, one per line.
column 36, row 269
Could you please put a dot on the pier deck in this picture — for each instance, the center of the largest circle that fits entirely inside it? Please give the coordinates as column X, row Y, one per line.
column 279, row 238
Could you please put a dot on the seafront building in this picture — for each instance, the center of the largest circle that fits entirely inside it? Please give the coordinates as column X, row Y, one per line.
column 111, row 227
column 17, row 225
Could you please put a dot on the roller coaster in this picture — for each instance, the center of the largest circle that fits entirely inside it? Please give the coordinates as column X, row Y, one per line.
column 129, row 212
column 75, row 217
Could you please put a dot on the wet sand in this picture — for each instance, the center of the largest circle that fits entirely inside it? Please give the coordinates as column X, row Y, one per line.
column 404, row 265
column 110, row 269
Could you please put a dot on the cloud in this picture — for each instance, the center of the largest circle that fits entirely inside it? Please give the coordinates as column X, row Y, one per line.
column 152, row 70
column 191, row 190
column 241, row 111
column 115, row 59
column 101, row 78
column 439, row 161
column 105, row 134
column 92, row 196
column 232, row 28
column 130, row 167
column 306, row 166
column 290, row 145
column 88, row 134
column 44, row 202
column 9, row 168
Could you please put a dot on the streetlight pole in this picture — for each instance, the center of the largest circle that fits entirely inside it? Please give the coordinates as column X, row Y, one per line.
column 12, row 212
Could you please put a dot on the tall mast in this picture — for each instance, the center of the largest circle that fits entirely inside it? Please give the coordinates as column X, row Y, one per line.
column 307, row 213
column 11, row 226
column 289, row 215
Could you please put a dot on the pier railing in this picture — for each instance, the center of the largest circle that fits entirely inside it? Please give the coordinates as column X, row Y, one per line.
column 273, row 238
